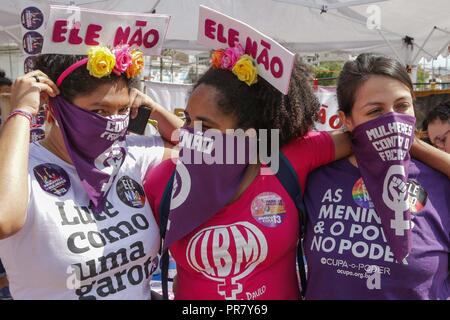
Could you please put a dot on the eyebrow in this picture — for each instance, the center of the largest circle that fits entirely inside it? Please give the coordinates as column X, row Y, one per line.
column 381, row 103
column 207, row 120
column 107, row 104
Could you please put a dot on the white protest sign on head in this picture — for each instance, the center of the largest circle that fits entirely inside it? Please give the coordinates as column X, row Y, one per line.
column 328, row 117
column 219, row 31
column 73, row 30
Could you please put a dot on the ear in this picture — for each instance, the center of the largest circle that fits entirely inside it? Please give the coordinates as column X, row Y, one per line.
column 346, row 120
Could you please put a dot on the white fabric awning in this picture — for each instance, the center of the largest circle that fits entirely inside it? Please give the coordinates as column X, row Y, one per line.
column 304, row 26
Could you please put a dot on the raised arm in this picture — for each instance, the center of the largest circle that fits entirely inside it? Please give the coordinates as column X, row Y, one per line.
column 167, row 121
column 14, row 149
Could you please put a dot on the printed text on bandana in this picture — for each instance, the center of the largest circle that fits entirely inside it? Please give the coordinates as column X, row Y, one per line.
column 391, row 141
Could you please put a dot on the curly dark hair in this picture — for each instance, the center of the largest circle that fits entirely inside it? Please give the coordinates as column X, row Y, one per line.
column 261, row 106
column 79, row 82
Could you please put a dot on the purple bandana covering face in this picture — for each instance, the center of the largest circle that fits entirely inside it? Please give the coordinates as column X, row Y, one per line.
column 202, row 188
column 381, row 147
column 95, row 144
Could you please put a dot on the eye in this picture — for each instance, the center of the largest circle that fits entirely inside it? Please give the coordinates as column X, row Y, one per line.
column 124, row 110
column 375, row 111
column 187, row 119
column 402, row 106
column 99, row 112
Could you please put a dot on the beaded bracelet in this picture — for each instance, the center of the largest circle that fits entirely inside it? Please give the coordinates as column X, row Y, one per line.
column 22, row 113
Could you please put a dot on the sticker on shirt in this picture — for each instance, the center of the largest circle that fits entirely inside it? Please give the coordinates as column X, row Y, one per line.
column 130, row 192
column 268, row 209
column 417, row 196
column 361, row 196
column 52, row 179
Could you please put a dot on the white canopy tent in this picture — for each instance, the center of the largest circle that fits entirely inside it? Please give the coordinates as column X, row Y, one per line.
column 405, row 29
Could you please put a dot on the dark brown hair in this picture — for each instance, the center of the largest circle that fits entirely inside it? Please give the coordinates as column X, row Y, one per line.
column 79, row 82
column 356, row 72
column 261, row 106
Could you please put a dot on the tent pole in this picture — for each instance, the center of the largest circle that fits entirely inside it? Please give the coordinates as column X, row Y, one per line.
column 10, row 34
column 442, row 30
column 10, row 64
column 390, row 46
column 442, row 49
column 424, row 43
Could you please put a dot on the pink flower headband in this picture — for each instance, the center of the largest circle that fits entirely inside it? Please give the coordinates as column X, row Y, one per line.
column 235, row 60
column 102, row 61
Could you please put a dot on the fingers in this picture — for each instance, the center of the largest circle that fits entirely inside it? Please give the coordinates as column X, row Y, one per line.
column 44, row 88
column 50, row 83
column 135, row 102
column 43, row 78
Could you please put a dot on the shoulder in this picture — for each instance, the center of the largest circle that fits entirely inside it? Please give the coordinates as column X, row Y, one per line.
column 147, row 151
column 420, row 170
column 306, row 153
column 308, row 140
column 157, row 177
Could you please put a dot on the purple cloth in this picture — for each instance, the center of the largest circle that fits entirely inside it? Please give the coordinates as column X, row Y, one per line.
column 95, row 144
column 348, row 257
column 381, row 147
column 201, row 189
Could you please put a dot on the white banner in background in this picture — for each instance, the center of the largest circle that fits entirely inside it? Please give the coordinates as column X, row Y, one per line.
column 72, row 30
column 170, row 96
column 33, row 17
column 328, row 119
column 219, row 31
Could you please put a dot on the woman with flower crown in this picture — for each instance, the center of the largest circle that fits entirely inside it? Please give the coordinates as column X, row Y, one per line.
column 74, row 219
column 233, row 229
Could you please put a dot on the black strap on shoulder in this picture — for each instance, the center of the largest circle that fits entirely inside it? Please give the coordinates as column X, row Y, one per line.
column 288, row 178
column 164, row 209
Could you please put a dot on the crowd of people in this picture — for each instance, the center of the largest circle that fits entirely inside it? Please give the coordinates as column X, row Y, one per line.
column 83, row 212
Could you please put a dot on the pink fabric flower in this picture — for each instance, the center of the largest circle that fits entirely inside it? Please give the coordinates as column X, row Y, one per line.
column 123, row 59
column 231, row 56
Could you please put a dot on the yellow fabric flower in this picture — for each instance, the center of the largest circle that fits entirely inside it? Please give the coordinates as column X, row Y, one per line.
column 101, row 62
column 137, row 63
column 245, row 70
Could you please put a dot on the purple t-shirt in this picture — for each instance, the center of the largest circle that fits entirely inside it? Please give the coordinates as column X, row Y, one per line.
column 345, row 248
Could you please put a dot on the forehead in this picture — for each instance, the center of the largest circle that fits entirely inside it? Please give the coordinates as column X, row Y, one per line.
column 203, row 100
column 382, row 89
column 437, row 127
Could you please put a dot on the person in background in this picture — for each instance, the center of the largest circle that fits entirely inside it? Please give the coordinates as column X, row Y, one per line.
column 5, row 83
column 437, row 124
